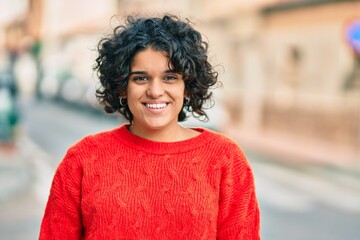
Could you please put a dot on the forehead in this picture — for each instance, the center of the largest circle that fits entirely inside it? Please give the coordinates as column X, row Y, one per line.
column 150, row 59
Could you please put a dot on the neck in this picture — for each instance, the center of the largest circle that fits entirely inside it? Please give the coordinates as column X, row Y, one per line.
column 158, row 135
column 172, row 134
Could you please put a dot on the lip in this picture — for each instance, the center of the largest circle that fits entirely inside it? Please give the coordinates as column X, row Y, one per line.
column 155, row 107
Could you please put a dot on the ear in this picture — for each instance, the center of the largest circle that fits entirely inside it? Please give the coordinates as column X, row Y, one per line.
column 186, row 93
column 123, row 95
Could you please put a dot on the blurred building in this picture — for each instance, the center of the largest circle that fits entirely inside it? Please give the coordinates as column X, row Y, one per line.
column 292, row 81
column 311, row 89
column 291, row 78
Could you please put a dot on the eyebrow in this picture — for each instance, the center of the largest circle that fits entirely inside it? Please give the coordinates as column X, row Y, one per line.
column 137, row 72
column 144, row 72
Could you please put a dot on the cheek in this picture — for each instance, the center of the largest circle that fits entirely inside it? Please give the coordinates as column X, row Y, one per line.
column 134, row 108
column 180, row 89
column 132, row 100
column 178, row 95
column 132, row 92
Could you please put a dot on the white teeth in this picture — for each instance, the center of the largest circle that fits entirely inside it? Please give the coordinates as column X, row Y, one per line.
column 156, row 105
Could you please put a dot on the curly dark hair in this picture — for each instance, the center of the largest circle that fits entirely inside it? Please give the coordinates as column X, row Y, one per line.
column 184, row 46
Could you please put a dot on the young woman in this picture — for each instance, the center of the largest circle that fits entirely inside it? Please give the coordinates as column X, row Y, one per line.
column 153, row 178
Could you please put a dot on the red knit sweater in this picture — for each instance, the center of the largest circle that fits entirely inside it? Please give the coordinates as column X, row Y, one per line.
column 115, row 185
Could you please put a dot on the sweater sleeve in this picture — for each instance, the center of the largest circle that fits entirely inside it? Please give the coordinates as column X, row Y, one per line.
column 62, row 218
column 238, row 207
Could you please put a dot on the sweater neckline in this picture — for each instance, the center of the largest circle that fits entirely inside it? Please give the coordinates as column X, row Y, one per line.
column 126, row 137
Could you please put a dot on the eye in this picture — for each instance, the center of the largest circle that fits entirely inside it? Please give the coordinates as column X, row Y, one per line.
column 170, row 77
column 140, row 78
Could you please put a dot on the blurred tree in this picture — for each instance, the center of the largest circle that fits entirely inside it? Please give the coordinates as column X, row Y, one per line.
column 35, row 16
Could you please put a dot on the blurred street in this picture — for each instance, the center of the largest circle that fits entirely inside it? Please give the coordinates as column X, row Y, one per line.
column 298, row 202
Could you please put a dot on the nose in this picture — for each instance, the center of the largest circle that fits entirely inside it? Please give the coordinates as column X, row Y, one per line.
column 155, row 88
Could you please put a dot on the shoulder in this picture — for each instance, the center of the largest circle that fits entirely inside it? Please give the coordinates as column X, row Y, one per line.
column 220, row 140
column 96, row 140
column 91, row 146
column 228, row 150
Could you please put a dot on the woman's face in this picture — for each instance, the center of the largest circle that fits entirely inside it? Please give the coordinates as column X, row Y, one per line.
column 154, row 94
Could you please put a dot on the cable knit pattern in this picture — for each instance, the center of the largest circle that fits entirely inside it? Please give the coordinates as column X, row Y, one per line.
column 115, row 185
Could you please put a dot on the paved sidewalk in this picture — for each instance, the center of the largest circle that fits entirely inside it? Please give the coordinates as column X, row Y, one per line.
column 15, row 172
column 21, row 202
column 296, row 151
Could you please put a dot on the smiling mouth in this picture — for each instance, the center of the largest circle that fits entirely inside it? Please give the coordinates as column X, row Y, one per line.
column 156, row 105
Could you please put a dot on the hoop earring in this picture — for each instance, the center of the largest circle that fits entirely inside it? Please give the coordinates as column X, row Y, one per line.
column 186, row 101
column 122, row 102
